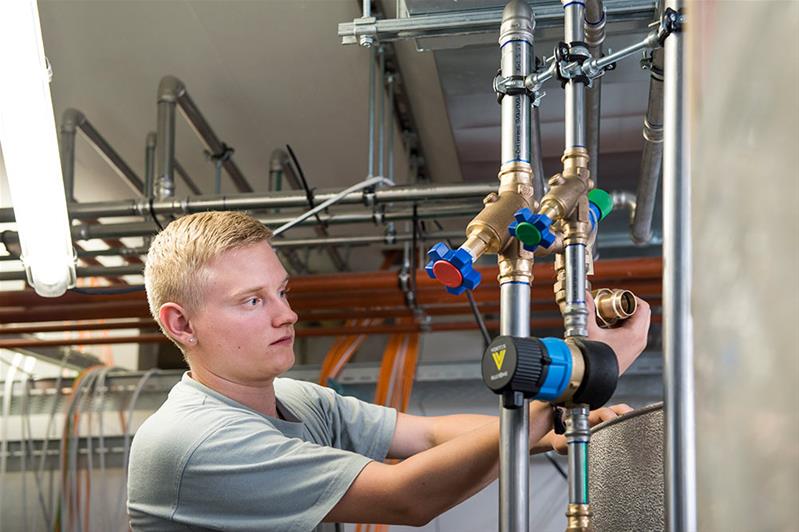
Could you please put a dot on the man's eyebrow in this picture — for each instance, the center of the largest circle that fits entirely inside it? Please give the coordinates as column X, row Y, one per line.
column 258, row 288
column 248, row 291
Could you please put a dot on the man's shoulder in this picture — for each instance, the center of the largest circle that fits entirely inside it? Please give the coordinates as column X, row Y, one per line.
column 166, row 438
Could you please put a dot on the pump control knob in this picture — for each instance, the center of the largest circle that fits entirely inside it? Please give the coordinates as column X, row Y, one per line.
column 532, row 230
column 532, row 368
column 454, row 268
column 600, row 203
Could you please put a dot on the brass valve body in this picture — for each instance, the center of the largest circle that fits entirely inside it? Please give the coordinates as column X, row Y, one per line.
column 614, row 305
column 566, row 188
column 488, row 231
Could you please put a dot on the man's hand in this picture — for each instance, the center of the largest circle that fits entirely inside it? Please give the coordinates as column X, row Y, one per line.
column 629, row 339
column 558, row 442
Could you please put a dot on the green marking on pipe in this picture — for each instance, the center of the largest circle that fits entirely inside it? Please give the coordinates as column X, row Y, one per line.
column 584, row 458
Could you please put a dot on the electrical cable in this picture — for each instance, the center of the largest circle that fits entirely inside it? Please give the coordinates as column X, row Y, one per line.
column 38, row 477
column 556, row 465
column 69, row 452
column 372, row 181
column 8, row 389
column 478, row 317
column 24, row 440
column 87, row 399
column 46, row 445
column 100, row 389
column 304, row 183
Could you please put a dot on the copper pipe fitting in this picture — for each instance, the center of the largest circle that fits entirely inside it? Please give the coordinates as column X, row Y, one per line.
column 578, row 518
column 578, row 371
column 515, row 264
column 613, row 305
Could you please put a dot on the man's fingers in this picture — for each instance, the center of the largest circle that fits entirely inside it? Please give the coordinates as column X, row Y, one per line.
column 642, row 315
column 607, row 413
column 621, row 409
column 593, row 326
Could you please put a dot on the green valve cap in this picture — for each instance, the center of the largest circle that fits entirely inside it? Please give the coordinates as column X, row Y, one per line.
column 602, row 200
column 528, row 234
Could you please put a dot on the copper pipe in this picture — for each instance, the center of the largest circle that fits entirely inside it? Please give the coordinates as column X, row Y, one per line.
column 546, row 323
column 645, row 268
column 15, row 343
column 78, row 327
column 332, row 302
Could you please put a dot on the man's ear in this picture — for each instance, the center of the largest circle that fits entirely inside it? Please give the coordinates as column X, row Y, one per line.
column 175, row 321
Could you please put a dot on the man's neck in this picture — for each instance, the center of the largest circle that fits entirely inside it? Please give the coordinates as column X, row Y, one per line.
column 258, row 396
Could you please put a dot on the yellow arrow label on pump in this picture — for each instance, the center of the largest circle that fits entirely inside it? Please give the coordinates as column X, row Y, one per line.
column 499, row 358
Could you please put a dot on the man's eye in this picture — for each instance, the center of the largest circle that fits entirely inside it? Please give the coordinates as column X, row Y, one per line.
column 284, row 292
column 253, row 301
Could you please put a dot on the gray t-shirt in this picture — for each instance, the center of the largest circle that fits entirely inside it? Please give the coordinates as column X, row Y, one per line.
column 204, row 461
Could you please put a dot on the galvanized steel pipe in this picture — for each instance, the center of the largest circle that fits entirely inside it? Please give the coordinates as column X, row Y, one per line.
column 652, row 157
column 678, row 356
column 516, row 48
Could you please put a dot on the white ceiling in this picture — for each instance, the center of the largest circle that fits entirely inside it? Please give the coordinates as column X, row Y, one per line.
column 270, row 72
column 265, row 73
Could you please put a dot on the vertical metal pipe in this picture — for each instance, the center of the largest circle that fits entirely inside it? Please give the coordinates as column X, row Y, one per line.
column 575, row 315
column 149, row 163
column 680, row 444
column 536, row 155
column 516, row 48
column 165, row 150
column 367, row 8
column 578, row 433
column 652, row 156
column 516, row 59
column 574, row 90
column 576, row 312
column 381, row 121
column 67, row 148
column 390, row 143
column 594, row 30
column 372, row 59
column 514, row 450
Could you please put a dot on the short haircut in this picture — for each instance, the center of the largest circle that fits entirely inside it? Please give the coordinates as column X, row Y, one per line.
column 173, row 271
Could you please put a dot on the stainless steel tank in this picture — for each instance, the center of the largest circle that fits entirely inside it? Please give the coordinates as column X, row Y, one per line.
column 626, row 472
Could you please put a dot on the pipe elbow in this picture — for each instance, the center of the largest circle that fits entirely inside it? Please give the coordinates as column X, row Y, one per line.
column 170, row 89
column 594, row 21
column 71, row 120
column 518, row 22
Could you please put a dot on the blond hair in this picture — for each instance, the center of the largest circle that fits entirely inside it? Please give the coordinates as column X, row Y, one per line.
column 173, row 269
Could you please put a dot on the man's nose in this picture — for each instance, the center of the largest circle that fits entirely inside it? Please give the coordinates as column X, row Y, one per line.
column 286, row 316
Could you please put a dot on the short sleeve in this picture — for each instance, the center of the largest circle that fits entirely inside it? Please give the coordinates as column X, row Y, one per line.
column 364, row 428
column 249, row 476
column 347, row 422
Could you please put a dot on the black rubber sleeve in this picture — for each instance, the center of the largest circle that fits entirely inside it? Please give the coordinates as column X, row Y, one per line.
column 601, row 374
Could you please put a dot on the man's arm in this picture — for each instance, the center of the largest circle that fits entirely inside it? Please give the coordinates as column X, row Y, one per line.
column 429, row 483
column 415, row 434
column 453, row 457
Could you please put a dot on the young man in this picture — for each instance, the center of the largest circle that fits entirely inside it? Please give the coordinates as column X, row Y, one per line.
column 235, row 447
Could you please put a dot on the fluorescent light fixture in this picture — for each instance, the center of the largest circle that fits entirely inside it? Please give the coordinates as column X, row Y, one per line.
column 30, row 151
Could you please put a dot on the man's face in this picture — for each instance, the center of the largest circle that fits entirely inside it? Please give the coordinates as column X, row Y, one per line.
column 245, row 327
